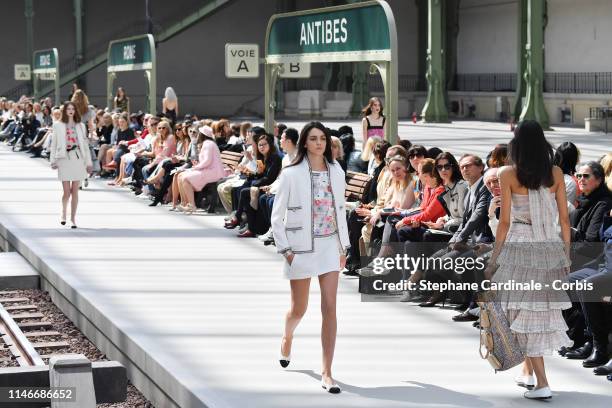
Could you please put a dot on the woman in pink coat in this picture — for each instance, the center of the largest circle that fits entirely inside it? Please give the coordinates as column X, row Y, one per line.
column 209, row 169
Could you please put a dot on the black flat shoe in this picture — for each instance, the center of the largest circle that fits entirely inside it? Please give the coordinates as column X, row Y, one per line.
column 605, row 369
column 465, row 317
column 581, row 352
column 435, row 299
column 598, row 357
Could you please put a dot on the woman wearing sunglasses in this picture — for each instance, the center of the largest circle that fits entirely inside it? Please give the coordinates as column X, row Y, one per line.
column 594, row 202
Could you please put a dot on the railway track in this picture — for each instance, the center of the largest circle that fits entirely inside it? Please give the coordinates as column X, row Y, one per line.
column 27, row 338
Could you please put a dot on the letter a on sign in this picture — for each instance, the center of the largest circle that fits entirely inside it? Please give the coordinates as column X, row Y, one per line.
column 241, row 60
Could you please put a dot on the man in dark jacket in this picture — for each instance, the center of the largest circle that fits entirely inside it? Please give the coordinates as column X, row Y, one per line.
column 474, row 230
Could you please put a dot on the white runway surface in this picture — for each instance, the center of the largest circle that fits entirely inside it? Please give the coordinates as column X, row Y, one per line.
column 208, row 308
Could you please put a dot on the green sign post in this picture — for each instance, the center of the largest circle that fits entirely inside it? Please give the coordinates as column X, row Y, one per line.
column 46, row 66
column 132, row 54
column 356, row 32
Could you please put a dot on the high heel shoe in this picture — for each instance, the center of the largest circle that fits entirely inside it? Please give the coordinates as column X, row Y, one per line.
column 331, row 388
column 187, row 209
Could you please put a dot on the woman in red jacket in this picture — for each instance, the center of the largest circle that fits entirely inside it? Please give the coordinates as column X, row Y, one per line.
column 429, row 211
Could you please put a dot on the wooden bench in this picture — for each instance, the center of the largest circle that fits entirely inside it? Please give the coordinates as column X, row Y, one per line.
column 356, row 185
column 230, row 159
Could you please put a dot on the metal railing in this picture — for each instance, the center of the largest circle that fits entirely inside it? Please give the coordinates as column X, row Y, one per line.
column 504, row 82
column 578, row 82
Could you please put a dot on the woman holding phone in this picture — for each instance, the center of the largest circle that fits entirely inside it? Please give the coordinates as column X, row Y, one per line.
column 309, row 227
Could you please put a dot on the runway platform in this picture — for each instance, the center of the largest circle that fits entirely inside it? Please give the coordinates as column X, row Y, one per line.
column 196, row 314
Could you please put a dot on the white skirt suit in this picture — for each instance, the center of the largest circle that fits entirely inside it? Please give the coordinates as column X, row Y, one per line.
column 293, row 224
column 71, row 165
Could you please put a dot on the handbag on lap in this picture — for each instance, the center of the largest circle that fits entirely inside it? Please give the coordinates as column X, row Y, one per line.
column 501, row 349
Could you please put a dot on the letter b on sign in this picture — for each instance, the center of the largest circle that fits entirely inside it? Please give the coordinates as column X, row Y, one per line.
column 296, row 70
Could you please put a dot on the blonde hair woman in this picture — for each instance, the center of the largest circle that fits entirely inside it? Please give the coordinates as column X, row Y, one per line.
column 606, row 163
column 367, row 155
column 170, row 104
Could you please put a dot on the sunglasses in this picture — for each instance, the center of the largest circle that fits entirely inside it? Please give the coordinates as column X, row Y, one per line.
column 413, row 155
column 585, row 176
column 446, row 166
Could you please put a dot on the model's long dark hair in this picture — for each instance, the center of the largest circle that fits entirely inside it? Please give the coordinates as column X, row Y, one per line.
column 531, row 155
column 301, row 147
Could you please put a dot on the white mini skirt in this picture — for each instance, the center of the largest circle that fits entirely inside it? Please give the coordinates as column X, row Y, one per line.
column 72, row 167
column 325, row 258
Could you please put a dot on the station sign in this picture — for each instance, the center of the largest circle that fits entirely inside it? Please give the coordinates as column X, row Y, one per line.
column 45, row 61
column 22, row 72
column 359, row 33
column 131, row 54
column 241, row 60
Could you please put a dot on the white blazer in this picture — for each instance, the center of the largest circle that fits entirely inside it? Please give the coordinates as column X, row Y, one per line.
column 58, row 143
column 292, row 220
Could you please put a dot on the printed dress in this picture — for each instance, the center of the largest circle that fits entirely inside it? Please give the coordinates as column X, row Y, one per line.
column 326, row 255
column 534, row 250
column 72, row 167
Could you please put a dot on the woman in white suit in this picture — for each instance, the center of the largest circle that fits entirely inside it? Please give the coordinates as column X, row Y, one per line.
column 70, row 156
column 309, row 227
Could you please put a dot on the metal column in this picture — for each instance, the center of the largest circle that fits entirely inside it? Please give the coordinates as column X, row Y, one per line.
column 29, row 15
column 435, row 107
column 534, row 108
column 521, row 85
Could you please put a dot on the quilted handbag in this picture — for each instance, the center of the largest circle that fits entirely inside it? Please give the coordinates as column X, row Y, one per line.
column 498, row 345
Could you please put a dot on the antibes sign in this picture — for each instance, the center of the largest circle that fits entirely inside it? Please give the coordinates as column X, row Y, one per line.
column 352, row 33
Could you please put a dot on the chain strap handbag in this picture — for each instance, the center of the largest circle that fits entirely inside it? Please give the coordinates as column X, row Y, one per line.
column 498, row 345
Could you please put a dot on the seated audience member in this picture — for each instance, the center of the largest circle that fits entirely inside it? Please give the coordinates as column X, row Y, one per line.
column 367, row 155
column 208, row 170
column 410, row 220
column 606, row 163
column 247, row 165
column 567, row 157
column 474, row 229
column 594, row 351
column 338, row 152
column 261, row 222
column 164, row 147
column 162, row 180
column 268, row 168
column 351, row 155
column 195, row 147
column 374, row 200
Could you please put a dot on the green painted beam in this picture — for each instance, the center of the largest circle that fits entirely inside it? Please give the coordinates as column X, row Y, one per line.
column 534, row 108
column 521, row 85
column 435, row 107
column 165, row 35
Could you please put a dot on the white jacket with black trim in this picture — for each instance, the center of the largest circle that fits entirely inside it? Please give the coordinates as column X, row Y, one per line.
column 292, row 218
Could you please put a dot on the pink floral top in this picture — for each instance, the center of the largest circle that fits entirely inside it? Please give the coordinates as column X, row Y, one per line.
column 323, row 205
column 71, row 137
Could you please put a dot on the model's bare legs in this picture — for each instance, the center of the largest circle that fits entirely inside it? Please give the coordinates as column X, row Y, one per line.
column 65, row 198
column 329, row 290
column 74, row 200
column 299, row 303
column 187, row 193
column 540, row 372
column 175, row 190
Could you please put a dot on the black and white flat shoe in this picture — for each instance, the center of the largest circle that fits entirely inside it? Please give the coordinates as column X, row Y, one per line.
column 539, row 394
column 63, row 222
column 73, row 225
column 284, row 360
column 331, row 388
